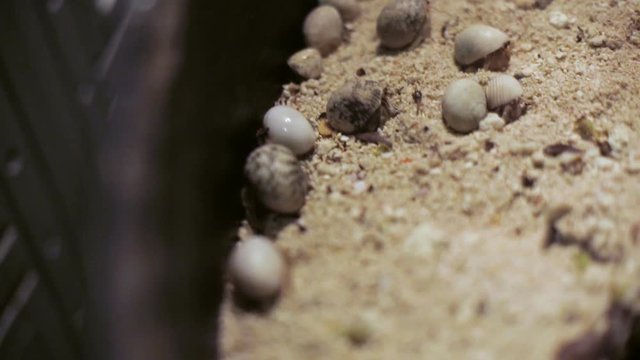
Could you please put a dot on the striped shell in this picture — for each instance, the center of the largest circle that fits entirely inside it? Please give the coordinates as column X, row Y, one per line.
column 464, row 105
column 274, row 174
column 478, row 41
column 501, row 90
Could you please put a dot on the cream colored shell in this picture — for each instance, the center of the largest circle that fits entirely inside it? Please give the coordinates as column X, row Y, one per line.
column 323, row 29
column 464, row 105
column 257, row 268
column 478, row 41
column 501, row 90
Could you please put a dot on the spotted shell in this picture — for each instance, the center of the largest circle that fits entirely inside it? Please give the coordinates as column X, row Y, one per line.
column 323, row 29
column 257, row 268
column 355, row 107
column 464, row 105
column 501, row 90
column 478, row 41
column 276, row 178
column 402, row 22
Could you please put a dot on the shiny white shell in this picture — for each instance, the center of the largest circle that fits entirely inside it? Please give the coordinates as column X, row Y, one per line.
column 464, row 105
column 274, row 174
column 287, row 126
column 501, row 90
column 478, row 41
column 257, row 268
column 323, row 29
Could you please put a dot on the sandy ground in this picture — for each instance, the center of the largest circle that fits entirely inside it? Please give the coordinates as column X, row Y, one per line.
column 439, row 248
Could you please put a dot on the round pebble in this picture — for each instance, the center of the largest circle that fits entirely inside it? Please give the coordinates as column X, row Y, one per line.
column 257, row 268
column 287, row 126
column 323, row 29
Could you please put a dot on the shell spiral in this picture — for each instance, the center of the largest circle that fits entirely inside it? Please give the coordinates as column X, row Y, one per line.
column 401, row 22
column 275, row 175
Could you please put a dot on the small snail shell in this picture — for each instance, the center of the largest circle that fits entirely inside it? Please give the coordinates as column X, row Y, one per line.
column 504, row 94
column 276, row 178
column 323, row 29
column 402, row 22
column 355, row 107
column 502, row 89
column 307, row 63
column 257, row 268
column 348, row 9
column 287, row 126
column 464, row 105
column 483, row 44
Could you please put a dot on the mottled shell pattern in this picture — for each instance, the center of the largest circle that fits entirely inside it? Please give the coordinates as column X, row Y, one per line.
column 464, row 105
column 402, row 22
column 274, row 174
column 323, row 29
column 501, row 90
column 478, row 41
column 355, row 107
column 257, row 268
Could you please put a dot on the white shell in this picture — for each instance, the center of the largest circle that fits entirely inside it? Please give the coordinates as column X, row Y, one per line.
column 257, row 268
column 287, row 126
column 401, row 22
column 323, row 29
column 501, row 90
column 464, row 105
column 348, row 9
column 307, row 63
column 274, row 174
column 478, row 41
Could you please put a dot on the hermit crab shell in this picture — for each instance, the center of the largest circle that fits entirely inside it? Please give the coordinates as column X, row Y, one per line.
column 501, row 90
column 464, row 105
column 276, row 178
column 257, row 268
column 355, row 107
column 478, row 41
column 402, row 22
column 323, row 29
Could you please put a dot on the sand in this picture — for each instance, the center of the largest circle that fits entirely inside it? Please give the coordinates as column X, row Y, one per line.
column 440, row 247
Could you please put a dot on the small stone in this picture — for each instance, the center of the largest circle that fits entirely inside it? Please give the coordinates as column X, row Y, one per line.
column 307, row 63
column 359, row 187
column 559, row 20
column 492, row 122
column 598, row 41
